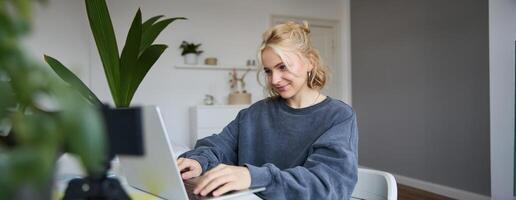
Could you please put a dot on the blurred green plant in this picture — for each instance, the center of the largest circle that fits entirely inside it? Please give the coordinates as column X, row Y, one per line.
column 40, row 115
column 188, row 47
column 124, row 73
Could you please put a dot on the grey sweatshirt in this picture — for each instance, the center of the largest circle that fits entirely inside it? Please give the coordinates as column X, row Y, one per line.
column 307, row 153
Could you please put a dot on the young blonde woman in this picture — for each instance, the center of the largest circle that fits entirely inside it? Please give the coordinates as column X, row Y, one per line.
column 298, row 143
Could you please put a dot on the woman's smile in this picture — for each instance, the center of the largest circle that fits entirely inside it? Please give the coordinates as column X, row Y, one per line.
column 281, row 88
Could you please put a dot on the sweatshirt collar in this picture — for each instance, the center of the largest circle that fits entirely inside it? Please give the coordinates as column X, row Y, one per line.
column 286, row 107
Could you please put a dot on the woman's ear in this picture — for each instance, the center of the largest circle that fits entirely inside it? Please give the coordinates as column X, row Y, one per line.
column 309, row 62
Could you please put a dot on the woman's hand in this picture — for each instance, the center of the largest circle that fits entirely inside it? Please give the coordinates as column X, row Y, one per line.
column 189, row 168
column 222, row 179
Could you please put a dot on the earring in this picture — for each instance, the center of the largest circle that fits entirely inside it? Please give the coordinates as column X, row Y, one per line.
column 310, row 79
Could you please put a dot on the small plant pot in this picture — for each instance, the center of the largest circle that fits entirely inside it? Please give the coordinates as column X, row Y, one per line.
column 191, row 59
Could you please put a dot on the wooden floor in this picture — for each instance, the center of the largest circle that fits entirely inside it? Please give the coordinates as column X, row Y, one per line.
column 410, row 193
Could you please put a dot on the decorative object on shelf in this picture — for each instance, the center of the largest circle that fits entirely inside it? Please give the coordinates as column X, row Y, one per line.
column 238, row 95
column 250, row 63
column 239, row 98
column 209, row 100
column 190, row 52
column 210, row 61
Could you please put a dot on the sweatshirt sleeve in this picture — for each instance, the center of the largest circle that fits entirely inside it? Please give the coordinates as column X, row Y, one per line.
column 217, row 148
column 330, row 171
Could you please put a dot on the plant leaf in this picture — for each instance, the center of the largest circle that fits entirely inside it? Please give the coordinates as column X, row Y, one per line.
column 145, row 62
column 129, row 58
column 24, row 8
column 147, row 24
column 102, row 29
column 84, row 134
column 152, row 33
column 71, row 79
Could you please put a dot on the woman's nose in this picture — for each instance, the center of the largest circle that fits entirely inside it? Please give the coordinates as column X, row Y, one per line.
column 275, row 78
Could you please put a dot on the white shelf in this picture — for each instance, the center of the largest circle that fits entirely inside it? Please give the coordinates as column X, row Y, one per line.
column 216, row 67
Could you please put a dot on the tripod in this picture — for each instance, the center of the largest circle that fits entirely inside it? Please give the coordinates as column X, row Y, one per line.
column 124, row 128
column 96, row 188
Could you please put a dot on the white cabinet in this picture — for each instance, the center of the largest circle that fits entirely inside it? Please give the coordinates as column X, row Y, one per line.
column 209, row 120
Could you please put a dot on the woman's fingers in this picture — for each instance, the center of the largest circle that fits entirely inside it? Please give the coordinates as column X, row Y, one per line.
column 225, row 188
column 189, row 174
column 184, row 163
column 189, row 168
column 207, row 177
column 223, row 178
column 216, row 169
column 216, row 183
column 205, row 180
column 180, row 164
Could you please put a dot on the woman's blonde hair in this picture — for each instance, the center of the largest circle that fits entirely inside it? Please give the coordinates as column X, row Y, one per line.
column 292, row 37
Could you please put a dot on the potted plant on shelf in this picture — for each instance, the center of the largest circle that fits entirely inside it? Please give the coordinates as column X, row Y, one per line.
column 40, row 116
column 190, row 52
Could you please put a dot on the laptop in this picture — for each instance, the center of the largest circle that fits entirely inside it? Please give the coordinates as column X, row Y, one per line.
column 156, row 172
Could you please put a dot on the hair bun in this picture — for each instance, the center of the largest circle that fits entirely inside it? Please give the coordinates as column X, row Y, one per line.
column 306, row 27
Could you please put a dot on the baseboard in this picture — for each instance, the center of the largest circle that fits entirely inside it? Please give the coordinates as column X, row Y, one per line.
column 439, row 189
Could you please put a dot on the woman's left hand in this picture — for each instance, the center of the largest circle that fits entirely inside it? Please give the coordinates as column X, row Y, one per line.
column 223, row 178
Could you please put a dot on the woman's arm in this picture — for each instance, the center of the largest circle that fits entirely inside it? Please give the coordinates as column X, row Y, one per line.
column 217, row 148
column 330, row 171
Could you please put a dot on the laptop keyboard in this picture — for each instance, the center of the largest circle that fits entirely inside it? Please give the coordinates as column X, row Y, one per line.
column 190, row 186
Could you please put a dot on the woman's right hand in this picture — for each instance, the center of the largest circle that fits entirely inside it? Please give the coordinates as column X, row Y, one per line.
column 189, row 168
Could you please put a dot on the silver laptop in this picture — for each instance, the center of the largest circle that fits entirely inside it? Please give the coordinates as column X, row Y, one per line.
column 156, row 172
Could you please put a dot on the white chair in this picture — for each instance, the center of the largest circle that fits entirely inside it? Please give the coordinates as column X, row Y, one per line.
column 375, row 185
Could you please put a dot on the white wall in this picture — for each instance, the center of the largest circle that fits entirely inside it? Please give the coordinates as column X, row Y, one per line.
column 228, row 29
column 60, row 31
column 345, row 45
column 502, row 35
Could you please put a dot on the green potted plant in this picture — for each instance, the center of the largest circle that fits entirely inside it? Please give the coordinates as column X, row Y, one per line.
column 190, row 52
column 40, row 116
column 125, row 71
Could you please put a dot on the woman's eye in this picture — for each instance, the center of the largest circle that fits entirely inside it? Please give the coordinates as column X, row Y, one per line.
column 268, row 72
column 282, row 67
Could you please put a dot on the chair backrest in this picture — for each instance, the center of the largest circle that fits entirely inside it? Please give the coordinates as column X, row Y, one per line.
column 375, row 185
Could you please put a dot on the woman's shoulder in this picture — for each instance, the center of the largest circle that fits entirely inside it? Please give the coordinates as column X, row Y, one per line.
column 339, row 108
column 339, row 104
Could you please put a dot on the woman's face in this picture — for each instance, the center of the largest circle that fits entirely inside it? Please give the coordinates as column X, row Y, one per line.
column 287, row 82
